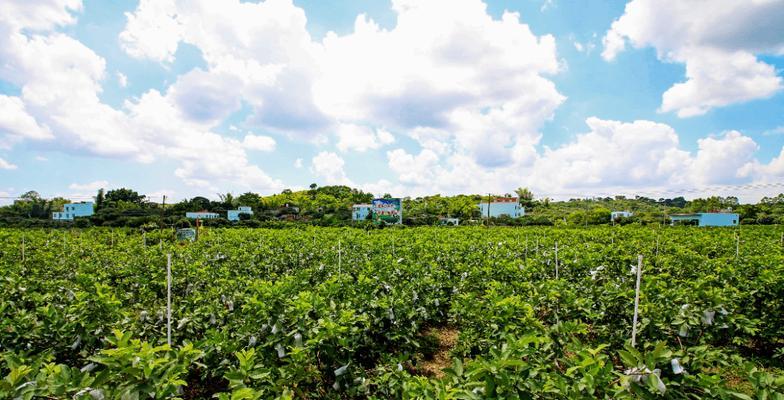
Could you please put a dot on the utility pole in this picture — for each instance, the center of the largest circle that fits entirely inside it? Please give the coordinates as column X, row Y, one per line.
column 163, row 208
column 488, row 208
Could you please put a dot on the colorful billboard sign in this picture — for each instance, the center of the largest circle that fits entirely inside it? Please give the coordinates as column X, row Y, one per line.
column 389, row 211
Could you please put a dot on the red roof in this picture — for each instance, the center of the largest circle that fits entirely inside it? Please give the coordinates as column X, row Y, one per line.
column 505, row 200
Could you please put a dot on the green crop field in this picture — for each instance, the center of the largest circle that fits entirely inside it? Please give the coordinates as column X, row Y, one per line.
column 442, row 313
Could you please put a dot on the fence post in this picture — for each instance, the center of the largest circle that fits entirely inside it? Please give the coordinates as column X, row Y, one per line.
column 636, row 300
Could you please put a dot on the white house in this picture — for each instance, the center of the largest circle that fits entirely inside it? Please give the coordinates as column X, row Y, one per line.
column 706, row 219
column 449, row 221
column 234, row 215
column 360, row 212
column 72, row 210
column 509, row 206
column 620, row 214
column 202, row 215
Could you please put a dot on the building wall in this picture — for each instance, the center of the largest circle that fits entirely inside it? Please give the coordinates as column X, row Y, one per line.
column 73, row 210
column 719, row 219
column 360, row 213
column 200, row 215
column 619, row 214
column 234, row 215
column 514, row 210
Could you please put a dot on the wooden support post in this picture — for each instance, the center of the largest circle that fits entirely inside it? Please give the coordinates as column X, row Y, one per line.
column 168, row 299
column 636, row 300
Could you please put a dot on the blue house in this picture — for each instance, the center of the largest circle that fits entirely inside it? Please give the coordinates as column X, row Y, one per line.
column 73, row 210
column 500, row 206
column 706, row 219
column 234, row 215
column 361, row 212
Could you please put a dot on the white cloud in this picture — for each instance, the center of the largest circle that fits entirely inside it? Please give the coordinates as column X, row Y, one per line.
column 614, row 154
column 611, row 157
column 440, row 68
column 728, row 158
column 157, row 196
column 89, row 187
column 60, row 81
column 41, row 158
column 330, row 167
column 39, row 15
column 122, row 80
column 6, row 165
column 17, row 124
column 361, row 138
column 473, row 91
column 207, row 159
column 586, row 47
column 718, row 40
column 446, row 66
column 259, row 143
column 775, row 131
column 260, row 52
column 152, row 31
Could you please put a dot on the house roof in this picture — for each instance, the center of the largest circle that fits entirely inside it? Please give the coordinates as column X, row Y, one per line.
column 701, row 214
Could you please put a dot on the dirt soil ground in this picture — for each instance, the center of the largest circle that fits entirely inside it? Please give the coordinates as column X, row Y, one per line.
column 447, row 340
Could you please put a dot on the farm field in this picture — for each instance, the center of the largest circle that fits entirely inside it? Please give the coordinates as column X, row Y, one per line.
column 447, row 313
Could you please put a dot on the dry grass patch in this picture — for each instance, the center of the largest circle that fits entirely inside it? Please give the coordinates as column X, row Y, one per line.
column 433, row 364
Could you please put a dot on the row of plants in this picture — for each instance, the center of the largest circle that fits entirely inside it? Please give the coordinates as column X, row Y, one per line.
column 347, row 313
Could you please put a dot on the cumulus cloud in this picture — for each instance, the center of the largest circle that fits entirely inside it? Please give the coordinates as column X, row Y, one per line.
column 718, row 40
column 259, row 143
column 447, row 66
column 6, row 165
column 122, row 80
column 611, row 157
column 260, row 52
column 89, row 187
column 17, row 124
column 330, row 167
column 40, row 15
column 614, row 153
column 728, row 158
column 361, row 138
column 440, row 67
column 471, row 90
column 60, row 81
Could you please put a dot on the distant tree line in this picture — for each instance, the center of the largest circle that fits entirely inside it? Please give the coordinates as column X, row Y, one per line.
column 332, row 206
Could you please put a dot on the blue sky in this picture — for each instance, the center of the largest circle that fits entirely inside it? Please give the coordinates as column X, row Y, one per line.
column 416, row 97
